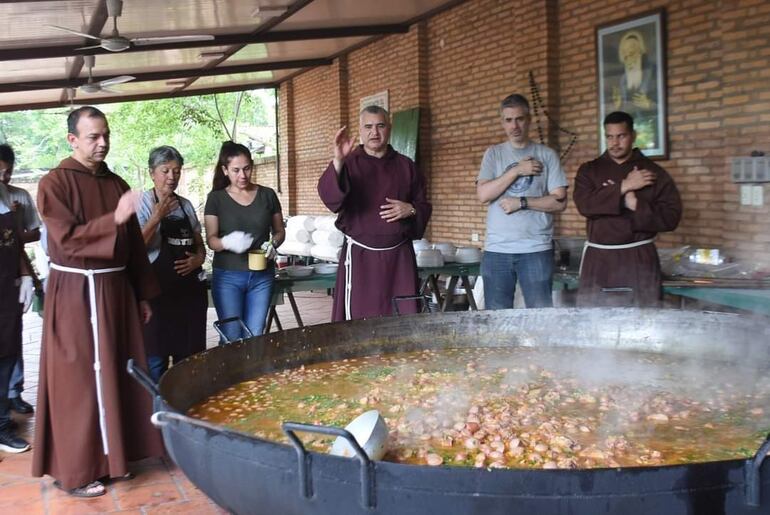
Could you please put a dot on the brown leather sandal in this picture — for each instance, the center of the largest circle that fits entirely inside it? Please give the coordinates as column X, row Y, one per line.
column 92, row 489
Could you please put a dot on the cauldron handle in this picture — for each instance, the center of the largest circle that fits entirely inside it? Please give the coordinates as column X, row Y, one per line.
column 423, row 298
column 220, row 323
column 304, row 459
column 142, row 378
column 752, row 477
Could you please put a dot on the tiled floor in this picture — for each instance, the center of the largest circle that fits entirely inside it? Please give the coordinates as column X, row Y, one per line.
column 159, row 487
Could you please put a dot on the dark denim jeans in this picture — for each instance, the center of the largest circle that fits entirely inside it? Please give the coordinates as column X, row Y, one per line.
column 158, row 365
column 16, row 384
column 533, row 271
column 242, row 294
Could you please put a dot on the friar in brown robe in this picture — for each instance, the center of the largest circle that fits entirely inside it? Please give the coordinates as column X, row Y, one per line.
column 627, row 199
column 89, row 215
column 380, row 200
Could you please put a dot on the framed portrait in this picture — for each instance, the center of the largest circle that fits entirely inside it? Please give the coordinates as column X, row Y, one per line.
column 378, row 99
column 631, row 70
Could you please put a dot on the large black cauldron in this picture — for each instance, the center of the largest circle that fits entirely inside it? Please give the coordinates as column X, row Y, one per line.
column 248, row 475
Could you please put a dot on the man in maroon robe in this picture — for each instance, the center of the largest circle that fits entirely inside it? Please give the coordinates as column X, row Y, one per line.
column 91, row 416
column 380, row 201
column 627, row 200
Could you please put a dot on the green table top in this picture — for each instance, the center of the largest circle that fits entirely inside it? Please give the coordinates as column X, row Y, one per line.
column 315, row 281
column 757, row 301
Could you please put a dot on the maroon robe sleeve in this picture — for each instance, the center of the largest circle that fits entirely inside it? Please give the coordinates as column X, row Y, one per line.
column 664, row 211
column 94, row 239
column 333, row 189
column 592, row 199
column 423, row 208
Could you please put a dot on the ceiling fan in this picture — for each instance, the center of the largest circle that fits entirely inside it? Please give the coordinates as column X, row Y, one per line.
column 117, row 43
column 103, row 85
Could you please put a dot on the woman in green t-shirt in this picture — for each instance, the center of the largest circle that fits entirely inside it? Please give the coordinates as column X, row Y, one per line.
column 239, row 216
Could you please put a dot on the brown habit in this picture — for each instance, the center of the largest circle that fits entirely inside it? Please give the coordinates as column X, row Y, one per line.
column 77, row 207
column 659, row 208
column 356, row 196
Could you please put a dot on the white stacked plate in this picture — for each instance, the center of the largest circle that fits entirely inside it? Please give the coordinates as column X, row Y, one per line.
column 419, row 245
column 299, row 271
column 468, row 255
column 447, row 250
column 326, row 268
column 430, row 258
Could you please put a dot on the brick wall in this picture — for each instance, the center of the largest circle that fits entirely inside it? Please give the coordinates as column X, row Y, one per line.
column 457, row 65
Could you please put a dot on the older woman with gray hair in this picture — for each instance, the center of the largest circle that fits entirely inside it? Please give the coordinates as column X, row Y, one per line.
column 172, row 234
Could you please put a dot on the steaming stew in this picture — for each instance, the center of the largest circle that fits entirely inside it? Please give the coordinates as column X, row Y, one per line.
column 518, row 407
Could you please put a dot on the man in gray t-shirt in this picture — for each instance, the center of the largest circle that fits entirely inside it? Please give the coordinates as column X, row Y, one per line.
column 523, row 183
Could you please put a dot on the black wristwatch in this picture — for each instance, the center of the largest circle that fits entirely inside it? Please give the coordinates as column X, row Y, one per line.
column 523, row 203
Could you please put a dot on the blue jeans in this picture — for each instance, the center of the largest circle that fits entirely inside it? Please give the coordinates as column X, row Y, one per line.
column 16, row 383
column 242, row 294
column 533, row 270
column 159, row 364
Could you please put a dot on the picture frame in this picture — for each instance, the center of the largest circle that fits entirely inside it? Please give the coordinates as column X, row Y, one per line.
column 631, row 77
column 378, row 99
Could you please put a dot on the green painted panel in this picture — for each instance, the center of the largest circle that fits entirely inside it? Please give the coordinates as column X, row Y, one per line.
column 406, row 128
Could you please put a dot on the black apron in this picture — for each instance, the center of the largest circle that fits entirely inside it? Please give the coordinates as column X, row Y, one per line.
column 10, row 309
column 178, row 324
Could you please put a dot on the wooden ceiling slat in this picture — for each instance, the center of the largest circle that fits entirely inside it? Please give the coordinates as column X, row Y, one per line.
column 170, row 74
column 13, row 54
column 144, row 96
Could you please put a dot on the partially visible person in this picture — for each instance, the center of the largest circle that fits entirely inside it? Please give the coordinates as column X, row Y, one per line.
column 29, row 223
column 380, row 200
column 172, row 234
column 523, row 184
column 627, row 199
column 92, row 417
column 16, row 285
column 240, row 216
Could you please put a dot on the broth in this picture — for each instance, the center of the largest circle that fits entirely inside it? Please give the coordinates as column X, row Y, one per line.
column 517, row 407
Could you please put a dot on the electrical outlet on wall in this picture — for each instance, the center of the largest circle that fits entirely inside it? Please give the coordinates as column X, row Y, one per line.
column 746, row 194
column 757, row 195
column 474, row 236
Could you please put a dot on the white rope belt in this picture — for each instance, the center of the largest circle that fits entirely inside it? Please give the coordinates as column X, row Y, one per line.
column 349, row 268
column 610, row 247
column 89, row 273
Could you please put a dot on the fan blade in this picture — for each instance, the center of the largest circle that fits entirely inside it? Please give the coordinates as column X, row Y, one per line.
column 169, row 39
column 116, row 80
column 65, row 29
column 89, row 47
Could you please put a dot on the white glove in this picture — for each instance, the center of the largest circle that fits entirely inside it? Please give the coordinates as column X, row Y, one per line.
column 269, row 249
column 237, row 241
column 26, row 292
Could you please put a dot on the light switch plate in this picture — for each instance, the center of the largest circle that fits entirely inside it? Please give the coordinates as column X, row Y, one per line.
column 746, row 194
column 474, row 236
column 757, row 194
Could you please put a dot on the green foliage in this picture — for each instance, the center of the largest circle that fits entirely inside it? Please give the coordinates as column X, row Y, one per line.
column 192, row 124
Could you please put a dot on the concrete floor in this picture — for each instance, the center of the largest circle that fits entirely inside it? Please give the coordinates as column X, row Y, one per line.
column 159, row 487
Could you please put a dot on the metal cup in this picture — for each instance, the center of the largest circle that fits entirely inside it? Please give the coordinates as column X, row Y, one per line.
column 257, row 260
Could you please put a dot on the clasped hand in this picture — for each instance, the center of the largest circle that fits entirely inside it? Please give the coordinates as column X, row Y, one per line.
column 189, row 264
column 510, row 204
column 395, row 210
column 637, row 179
column 166, row 204
column 529, row 166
